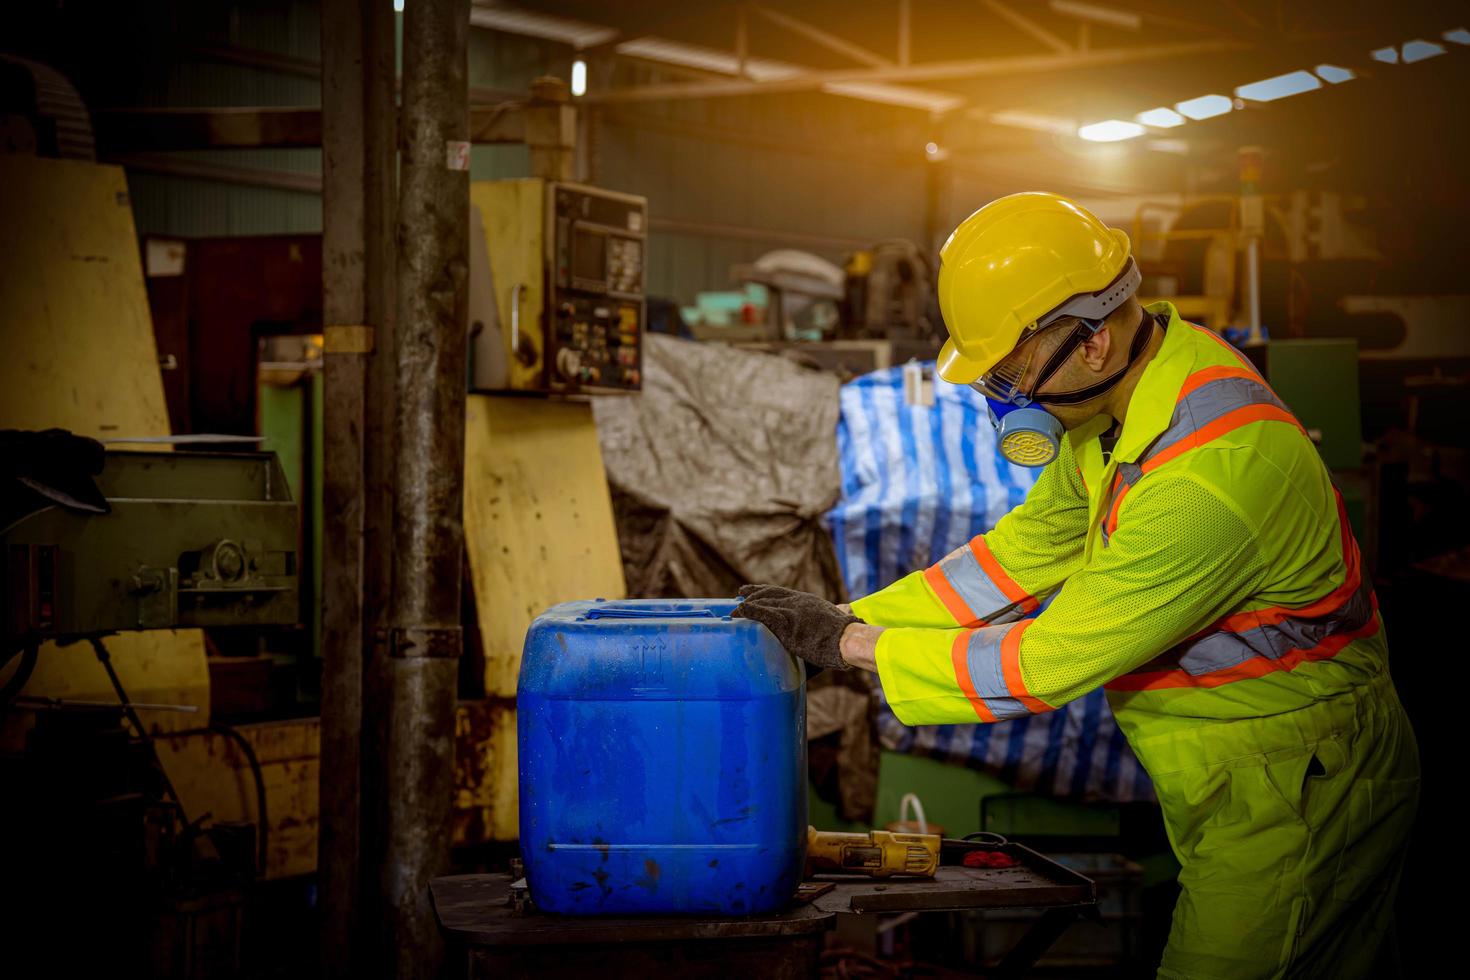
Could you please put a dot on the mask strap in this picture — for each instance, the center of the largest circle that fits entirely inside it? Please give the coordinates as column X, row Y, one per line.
column 1141, row 338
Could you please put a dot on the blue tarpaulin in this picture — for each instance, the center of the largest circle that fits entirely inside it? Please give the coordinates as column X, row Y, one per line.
column 917, row 482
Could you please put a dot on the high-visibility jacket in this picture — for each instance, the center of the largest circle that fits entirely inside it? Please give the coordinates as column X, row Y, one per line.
column 1209, row 569
column 1205, row 574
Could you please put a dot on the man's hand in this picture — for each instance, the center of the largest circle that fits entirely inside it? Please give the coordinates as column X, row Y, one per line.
column 808, row 626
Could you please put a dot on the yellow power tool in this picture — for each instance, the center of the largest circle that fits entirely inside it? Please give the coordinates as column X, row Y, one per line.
column 878, row 853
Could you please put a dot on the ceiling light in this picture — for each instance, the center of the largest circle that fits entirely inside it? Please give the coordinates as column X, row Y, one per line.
column 705, row 59
column 1459, row 35
column 1279, row 87
column 900, row 95
column 579, row 77
column 1334, row 74
column 1205, row 106
column 577, row 33
column 1420, row 49
column 1389, row 55
column 1110, row 131
column 1161, row 118
column 1033, row 120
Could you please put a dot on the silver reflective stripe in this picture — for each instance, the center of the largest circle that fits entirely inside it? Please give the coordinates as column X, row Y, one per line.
column 1130, row 474
column 968, row 579
column 982, row 655
column 1221, row 651
column 1209, row 402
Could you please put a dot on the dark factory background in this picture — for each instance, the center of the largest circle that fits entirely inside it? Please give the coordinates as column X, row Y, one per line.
column 248, row 722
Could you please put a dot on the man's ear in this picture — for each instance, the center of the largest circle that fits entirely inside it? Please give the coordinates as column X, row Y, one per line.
column 1095, row 348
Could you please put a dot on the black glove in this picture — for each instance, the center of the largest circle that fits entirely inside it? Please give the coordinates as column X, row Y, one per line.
column 808, row 626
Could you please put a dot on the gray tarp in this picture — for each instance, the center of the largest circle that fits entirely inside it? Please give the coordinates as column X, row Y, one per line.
column 721, row 471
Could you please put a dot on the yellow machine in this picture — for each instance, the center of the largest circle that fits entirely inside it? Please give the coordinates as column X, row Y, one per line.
column 557, row 292
column 878, row 853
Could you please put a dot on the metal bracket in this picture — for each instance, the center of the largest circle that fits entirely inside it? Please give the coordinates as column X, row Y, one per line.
column 442, row 642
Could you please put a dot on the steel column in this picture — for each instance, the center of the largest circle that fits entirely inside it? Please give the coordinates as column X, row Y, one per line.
column 420, row 669
column 358, row 122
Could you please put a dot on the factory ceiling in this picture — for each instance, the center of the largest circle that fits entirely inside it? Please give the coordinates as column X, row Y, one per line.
column 1049, row 66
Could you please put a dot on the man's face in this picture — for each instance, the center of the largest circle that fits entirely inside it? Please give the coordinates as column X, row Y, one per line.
column 1073, row 375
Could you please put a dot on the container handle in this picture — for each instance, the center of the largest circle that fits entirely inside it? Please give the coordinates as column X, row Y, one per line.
column 910, row 799
column 642, row 612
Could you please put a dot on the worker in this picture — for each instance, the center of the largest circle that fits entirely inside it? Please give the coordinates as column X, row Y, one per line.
column 1199, row 567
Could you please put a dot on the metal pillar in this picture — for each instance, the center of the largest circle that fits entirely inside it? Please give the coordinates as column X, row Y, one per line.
column 420, row 670
column 359, row 126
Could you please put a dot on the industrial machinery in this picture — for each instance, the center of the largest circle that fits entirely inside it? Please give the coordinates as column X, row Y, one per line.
column 161, row 540
column 94, row 543
column 182, row 539
column 564, row 264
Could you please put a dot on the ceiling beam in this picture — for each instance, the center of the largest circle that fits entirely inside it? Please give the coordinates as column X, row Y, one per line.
column 905, row 33
column 929, row 71
column 1024, row 23
column 152, row 129
column 816, row 35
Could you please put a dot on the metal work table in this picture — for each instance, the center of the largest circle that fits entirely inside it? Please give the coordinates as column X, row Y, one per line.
column 491, row 938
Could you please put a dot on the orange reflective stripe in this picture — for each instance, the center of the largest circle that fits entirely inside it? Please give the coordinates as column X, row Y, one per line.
column 1244, row 415
column 1156, row 680
column 1351, row 557
column 1222, row 425
column 1260, row 666
column 1199, row 379
column 958, row 608
column 1010, row 665
column 1007, row 585
column 959, row 654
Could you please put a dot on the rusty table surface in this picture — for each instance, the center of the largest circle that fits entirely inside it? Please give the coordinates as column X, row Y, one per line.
column 1037, row 882
column 476, row 908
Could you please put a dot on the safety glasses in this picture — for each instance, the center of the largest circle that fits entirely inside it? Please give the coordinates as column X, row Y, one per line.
column 1003, row 382
column 1088, row 311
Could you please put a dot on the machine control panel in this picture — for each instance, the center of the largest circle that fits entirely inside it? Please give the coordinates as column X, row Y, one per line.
column 596, row 310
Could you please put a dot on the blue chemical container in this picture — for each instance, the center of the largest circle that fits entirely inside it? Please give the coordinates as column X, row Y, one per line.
column 662, row 760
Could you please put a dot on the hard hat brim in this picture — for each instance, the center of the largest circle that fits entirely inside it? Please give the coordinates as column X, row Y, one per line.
column 956, row 368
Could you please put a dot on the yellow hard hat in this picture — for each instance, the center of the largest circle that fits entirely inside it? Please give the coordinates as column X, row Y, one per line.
column 1011, row 263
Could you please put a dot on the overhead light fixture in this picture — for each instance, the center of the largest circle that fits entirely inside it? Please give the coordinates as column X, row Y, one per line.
column 705, row 59
column 1459, row 35
column 1420, row 50
column 1161, row 118
column 1034, row 121
column 1389, row 55
column 1205, row 107
column 1334, row 74
column 900, row 95
column 579, row 34
column 579, row 77
column 1113, row 17
column 1279, row 87
column 1110, row 131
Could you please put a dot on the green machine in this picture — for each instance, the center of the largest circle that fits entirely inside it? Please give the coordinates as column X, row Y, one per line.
column 177, row 539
